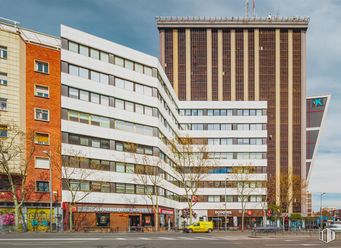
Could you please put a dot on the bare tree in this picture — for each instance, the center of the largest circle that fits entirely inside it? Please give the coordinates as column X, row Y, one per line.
column 191, row 166
column 75, row 181
column 148, row 171
column 242, row 175
column 14, row 163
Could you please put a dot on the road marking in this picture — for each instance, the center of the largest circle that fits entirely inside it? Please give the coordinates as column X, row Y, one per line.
column 121, row 239
column 309, row 244
column 166, row 238
column 185, row 238
column 50, row 239
column 143, row 238
column 207, row 238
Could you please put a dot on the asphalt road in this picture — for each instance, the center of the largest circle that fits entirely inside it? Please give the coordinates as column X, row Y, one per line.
column 155, row 240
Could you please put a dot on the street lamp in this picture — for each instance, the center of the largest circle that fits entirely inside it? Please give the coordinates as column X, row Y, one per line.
column 225, row 204
column 321, row 216
column 48, row 153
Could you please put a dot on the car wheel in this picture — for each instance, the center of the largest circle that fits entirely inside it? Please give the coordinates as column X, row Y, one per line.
column 190, row 230
column 209, row 230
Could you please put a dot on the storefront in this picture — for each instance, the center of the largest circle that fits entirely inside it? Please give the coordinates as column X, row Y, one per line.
column 118, row 218
column 234, row 218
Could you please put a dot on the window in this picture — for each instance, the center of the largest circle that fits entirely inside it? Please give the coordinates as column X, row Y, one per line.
column 94, row 53
column 42, row 114
column 104, row 78
column 3, row 131
column 139, row 88
column 41, row 91
column 105, row 100
column 84, row 95
column 120, row 167
column 41, row 138
column 148, row 71
column 128, row 85
column 84, row 141
column 94, row 76
column 104, row 57
column 138, row 108
column 120, row 188
column 3, row 78
column 73, row 47
column 119, row 83
column 83, row 50
column 119, row 61
column 130, row 168
column 84, row 73
column 96, row 143
column 3, row 52
column 3, row 104
column 94, row 98
column 138, row 68
column 148, row 111
column 42, row 186
column 119, row 104
column 42, row 67
column 129, row 65
column 213, row 198
column 129, row 106
column 42, row 163
column 73, row 70
column 140, row 189
column 130, row 188
column 147, row 91
column 73, row 93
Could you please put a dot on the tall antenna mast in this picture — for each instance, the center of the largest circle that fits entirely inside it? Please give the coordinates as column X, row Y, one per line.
column 246, row 14
column 253, row 8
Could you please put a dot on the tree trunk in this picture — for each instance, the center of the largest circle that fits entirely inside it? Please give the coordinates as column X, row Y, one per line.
column 243, row 214
column 190, row 214
column 70, row 218
column 16, row 215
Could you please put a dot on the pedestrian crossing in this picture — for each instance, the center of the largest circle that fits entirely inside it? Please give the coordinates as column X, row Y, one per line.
column 177, row 238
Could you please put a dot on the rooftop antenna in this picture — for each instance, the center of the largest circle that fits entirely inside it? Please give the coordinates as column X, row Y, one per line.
column 246, row 14
column 253, row 8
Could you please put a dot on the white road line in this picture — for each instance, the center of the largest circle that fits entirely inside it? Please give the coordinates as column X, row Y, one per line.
column 166, row 238
column 309, row 244
column 207, row 238
column 120, row 238
column 185, row 238
column 143, row 238
column 50, row 239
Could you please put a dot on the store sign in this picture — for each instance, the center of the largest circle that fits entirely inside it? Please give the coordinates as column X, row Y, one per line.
column 166, row 211
column 222, row 212
column 114, row 210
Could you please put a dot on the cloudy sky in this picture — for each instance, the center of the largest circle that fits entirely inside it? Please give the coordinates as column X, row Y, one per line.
column 132, row 23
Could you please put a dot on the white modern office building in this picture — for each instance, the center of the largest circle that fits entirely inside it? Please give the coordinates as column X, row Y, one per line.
column 115, row 98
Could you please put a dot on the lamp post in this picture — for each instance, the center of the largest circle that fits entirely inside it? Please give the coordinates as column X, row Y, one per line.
column 321, row 215
column 48, row 153
column 225, row 203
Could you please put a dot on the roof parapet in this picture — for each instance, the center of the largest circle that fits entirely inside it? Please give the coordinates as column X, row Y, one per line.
column 203, row 21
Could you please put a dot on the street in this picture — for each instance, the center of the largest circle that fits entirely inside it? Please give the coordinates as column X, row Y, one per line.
column 154, row 240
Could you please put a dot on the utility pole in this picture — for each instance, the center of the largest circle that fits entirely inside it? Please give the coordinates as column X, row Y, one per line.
column 48, row 153
column 225, row 204
column 321, row 215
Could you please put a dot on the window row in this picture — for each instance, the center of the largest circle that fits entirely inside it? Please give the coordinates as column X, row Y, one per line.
column 75, row 139
column 235, row 155
column 108, row 123
column 223, row 126
column 232, row 184
column 225, row 170
column 234, row 141
column 108, row 58
column 222, row 112
column 121, row 188
column 97, row 164
column 232, row 198
column 117, row 82
column 108, row 101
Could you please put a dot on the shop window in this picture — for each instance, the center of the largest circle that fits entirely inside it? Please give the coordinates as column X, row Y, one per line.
column 103, row 219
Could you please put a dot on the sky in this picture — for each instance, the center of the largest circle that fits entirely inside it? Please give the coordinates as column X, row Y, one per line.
column 132, row 23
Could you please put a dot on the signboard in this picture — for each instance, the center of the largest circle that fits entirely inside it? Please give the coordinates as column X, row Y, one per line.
column 114, row 210
column 222, row 212
column 166, row 211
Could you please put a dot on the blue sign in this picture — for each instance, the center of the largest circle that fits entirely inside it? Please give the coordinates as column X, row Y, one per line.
column 318, row 102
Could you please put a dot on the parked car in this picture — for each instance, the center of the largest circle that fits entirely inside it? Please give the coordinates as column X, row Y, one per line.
column 200, row 226
column 335, row 227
